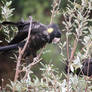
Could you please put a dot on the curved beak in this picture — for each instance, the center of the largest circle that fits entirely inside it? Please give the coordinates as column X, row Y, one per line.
column 55, row 40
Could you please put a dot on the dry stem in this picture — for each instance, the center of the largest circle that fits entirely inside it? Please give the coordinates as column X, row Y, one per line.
column 21, row 52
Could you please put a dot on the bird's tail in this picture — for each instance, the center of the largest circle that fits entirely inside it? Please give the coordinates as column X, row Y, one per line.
column 9, row 23
column 11, row 47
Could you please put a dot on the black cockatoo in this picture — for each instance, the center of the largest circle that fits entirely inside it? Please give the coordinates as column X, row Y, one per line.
column 86, row 68
column 40, row 35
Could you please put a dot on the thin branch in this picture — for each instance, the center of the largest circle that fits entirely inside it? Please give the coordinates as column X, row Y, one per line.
column 35, row 61
column 56, row 4
column 74, row 49
column 21, row 52
column 67, row 47
column 52, row 16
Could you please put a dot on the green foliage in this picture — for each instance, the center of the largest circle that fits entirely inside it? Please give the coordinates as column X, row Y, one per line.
column 76, row 26
column 6, row 13
column 50, row 81
column 76, row 84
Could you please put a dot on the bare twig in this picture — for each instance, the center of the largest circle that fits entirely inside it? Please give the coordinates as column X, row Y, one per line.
column 67, row 46
column 74, row 49
column 52, row 16
column 35, row 61
column 21, row 52
column 56, row 4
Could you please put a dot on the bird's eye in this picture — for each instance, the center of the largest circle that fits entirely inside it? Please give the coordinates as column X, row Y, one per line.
column 50, row 30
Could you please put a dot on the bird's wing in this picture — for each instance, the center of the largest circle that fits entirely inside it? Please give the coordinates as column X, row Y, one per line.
column 19, row 37
column 23, row 27
column 11, row 47
column 23, row 31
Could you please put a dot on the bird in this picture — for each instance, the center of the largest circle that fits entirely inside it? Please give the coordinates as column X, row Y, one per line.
column 40, row 35
column 86, row 68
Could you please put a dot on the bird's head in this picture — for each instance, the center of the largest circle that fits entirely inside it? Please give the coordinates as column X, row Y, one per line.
column 54, row 33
